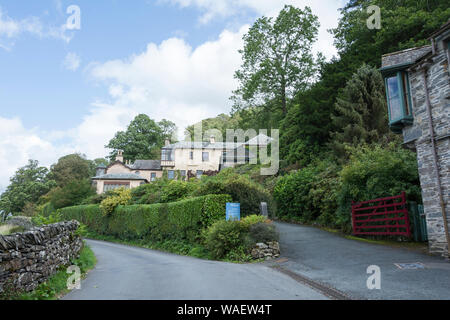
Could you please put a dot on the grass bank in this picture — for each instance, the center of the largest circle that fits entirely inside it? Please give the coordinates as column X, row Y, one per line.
column 56, row 286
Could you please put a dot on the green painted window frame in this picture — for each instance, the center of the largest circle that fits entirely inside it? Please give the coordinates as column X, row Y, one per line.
column 407, row 115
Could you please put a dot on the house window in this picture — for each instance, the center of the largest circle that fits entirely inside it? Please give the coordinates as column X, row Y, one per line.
column 183, row 173
column 205, row 156
column 153, row 176
column 108, row 186
column 398, row 98
column 199, row 174
column 191, row 155
column 171, row 174
column 166, row 155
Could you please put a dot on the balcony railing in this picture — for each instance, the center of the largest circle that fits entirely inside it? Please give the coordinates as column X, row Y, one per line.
column 165, row 163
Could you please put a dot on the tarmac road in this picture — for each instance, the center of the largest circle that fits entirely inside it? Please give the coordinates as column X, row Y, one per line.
column 130, row 273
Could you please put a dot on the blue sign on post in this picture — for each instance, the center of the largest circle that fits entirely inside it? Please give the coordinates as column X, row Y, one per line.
column 233, row 211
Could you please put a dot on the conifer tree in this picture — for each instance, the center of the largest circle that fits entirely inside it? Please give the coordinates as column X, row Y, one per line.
column 360, row 112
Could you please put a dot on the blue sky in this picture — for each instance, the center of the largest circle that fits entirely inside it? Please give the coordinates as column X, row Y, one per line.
column 64, row 91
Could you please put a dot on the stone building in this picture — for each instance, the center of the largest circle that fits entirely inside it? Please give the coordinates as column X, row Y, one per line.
column 418, row 92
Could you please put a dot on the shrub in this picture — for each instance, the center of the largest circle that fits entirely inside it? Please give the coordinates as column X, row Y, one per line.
column 240, row 187
column 225, row 236
column 292, row 194
column 309, row 194
column 263, row 232
column 29, row 210
column 73, row 193
column 121, row 196
column 40, row 220
column 254, row 219
column 233, row 239
column 375, row 172
column 177, row 220
column 45, row 209
column 163, row 191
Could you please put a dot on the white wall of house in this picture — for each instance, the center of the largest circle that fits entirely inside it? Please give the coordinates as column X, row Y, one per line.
column 183, row 160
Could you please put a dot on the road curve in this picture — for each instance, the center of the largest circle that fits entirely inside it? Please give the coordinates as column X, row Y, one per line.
column 130, row 273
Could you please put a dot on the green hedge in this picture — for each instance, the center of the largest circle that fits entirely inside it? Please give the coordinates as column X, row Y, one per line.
column 163, row 221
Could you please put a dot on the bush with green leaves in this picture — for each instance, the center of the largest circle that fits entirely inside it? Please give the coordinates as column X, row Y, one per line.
column 233, row 240
column 225, row 236
column 54, row 217
column 240, row 187
column 254, row 219
column 375, row 172
column 71, row 194
column 163, row 191
column 262, row 232
column 292, row 194
column 162, row 221
column 120, row 196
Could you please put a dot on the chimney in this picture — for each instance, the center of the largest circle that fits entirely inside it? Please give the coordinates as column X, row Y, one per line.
column 212, row 139
column 167, row 143
column 119, row 156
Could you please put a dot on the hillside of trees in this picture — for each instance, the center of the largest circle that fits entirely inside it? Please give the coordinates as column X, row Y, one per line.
column 335, row 143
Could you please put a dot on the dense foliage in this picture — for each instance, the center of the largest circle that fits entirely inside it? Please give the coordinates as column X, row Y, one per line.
column 181, row 220
column 28, row 184
column 71, row 194
column 361, row 116
column 69, row 168
column 229, row 239
column 119, row 197
column 240, row 187
column 277, row 60
column 322, row 192
column 142, row 140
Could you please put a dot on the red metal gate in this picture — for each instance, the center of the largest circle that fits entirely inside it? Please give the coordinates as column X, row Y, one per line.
column 384, row 216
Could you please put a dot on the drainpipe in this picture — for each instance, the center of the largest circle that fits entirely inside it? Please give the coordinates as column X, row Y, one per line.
column 435, row 158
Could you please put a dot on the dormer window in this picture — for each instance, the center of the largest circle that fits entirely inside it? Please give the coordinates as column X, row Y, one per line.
column 398, row 99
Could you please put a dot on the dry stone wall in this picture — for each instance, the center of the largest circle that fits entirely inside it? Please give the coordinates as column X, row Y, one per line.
column 30, row 258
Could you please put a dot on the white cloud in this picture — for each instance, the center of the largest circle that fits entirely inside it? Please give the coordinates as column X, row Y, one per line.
column 10, row 29
column 18, row 145
column 326, row 10
column 72, row 61
column 171, row 80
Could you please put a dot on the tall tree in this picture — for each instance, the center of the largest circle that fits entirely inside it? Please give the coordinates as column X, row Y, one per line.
column 70, row 167
column 361, row 115
column 168, row 128
column 27, row 185
column 277, row 60
column 142, row 140
column 404, row 24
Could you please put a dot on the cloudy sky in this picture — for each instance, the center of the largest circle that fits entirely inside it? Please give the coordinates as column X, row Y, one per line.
column 65, row 91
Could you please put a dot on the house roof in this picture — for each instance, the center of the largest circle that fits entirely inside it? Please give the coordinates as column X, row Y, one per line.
column 203, row 145
column 119, row 176
column 260, row 139
column 146, row 165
